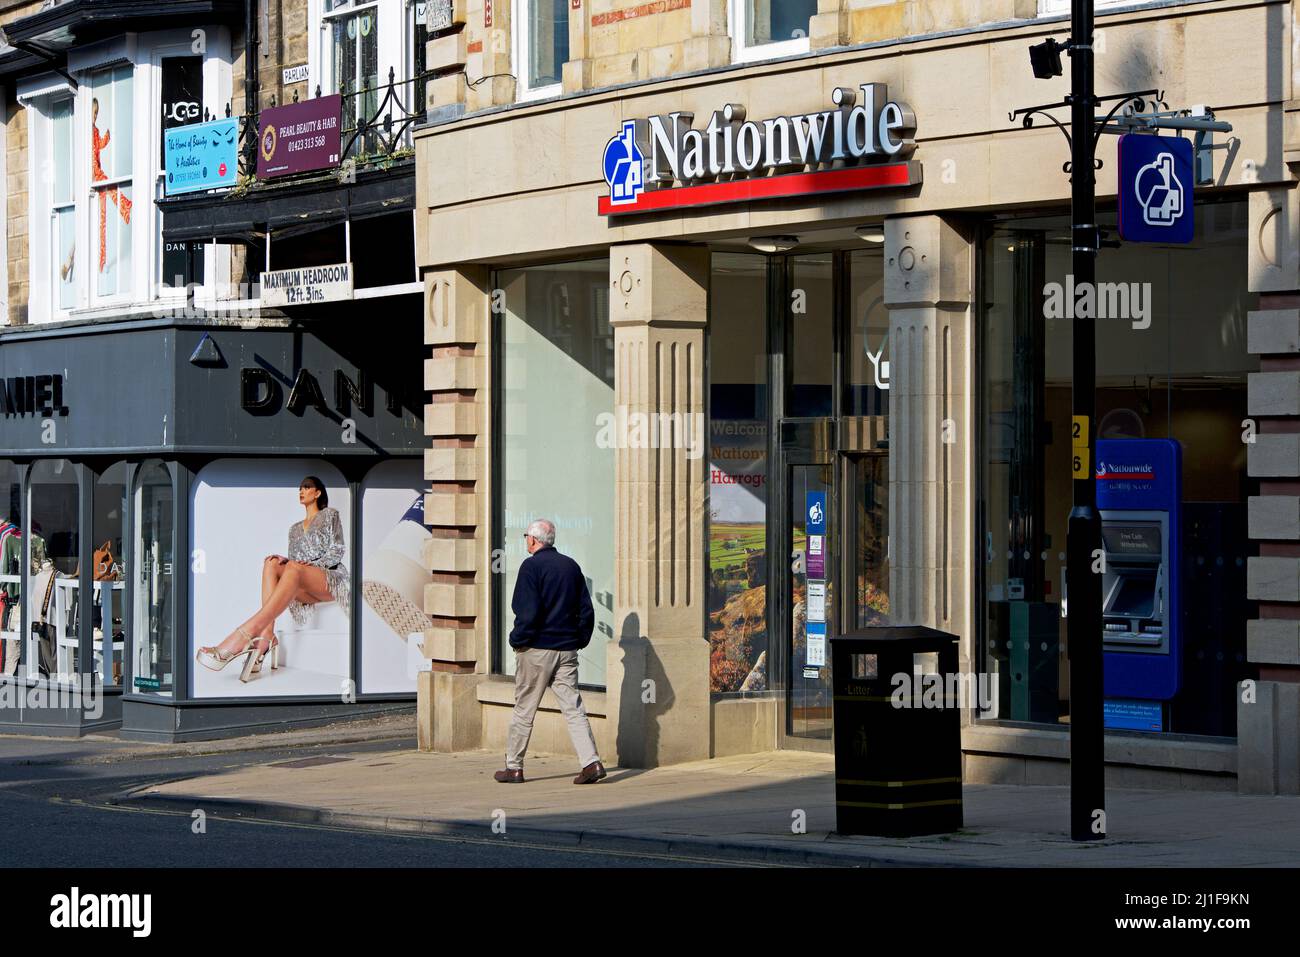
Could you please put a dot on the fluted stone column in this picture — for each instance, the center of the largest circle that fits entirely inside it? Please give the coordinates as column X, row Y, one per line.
column 457, row 468
column 1268, row 711
column 928, row 292
column 658, row 663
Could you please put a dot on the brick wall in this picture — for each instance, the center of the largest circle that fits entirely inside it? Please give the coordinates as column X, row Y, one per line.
column 283, row 43
column 15, row 224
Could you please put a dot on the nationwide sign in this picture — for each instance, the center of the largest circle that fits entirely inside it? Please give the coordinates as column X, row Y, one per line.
column 865, row 142
column 1155, row 189
column 307, row 285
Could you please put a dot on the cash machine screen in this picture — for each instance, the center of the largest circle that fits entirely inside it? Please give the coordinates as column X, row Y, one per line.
column 1135, row 598
column 1135, row 541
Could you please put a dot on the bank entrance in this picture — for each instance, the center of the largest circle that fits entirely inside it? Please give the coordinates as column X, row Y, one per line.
column 799, row 464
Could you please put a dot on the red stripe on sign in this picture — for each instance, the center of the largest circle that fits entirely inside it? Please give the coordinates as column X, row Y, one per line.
column 1126, row 475
column 767, row 187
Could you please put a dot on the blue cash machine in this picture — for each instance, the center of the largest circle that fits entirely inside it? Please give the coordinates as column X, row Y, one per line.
column 1139, row 497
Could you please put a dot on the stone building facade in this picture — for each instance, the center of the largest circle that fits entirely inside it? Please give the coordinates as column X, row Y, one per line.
column 510, row 188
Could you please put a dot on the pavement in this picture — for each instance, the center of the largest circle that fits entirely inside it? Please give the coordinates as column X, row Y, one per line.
column 110, row 747
column 741, row 809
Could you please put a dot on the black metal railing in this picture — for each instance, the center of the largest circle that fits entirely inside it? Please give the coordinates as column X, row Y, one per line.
column 378, row 123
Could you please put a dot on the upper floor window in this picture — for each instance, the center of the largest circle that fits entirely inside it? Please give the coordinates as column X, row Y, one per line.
column 96, row 167
column 62, row 209
column 111, row 180
column 541, row 47
column 359, row 43
column 1050, row 7
column 762, row 29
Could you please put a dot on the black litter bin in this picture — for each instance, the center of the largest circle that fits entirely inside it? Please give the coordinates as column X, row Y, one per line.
column 897, row 731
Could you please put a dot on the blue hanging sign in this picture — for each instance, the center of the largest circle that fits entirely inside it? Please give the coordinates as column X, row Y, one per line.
column 1155, row 189
column 815, row 516
column 201, row 156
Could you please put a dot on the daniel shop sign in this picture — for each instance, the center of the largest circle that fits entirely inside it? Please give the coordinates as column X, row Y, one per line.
column 864, row 142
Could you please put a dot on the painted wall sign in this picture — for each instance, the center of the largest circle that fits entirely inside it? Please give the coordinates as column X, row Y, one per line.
column 662, row 162
column 300, row 137
column 307, row 285
column 201, row 156
column 437, row 15
column 1155, row 189
column 40, row 395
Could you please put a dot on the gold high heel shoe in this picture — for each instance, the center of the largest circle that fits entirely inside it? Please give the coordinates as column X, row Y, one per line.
column 212, row 658
column 253, row 666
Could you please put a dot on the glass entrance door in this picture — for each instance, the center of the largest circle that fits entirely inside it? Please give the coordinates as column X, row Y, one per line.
column 810, row 594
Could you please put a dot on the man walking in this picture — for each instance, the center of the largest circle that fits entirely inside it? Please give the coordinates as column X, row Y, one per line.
column 553, row 619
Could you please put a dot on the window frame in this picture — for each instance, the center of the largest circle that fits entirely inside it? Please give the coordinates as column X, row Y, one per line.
column 141, row 287
column 128, row 285
column 738, row 12
column 520, row 50
column 216, row 94
column 1054, row 8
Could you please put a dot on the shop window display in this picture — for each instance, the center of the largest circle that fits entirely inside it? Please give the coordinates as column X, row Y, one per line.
column 256, row 524
column 53, row 539
column 738, row 475
column 1174, row 366
column 11, row 577
column 153, row 577
column 108, row 574
column 557, row 389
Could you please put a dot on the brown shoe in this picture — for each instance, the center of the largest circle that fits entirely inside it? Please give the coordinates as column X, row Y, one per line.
column 590, row 774
column 510, row 776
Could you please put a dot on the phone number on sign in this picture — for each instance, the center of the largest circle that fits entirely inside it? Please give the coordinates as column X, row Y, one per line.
column 311, row 143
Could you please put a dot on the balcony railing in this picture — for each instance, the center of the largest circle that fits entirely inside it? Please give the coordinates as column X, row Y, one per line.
column 377, row 128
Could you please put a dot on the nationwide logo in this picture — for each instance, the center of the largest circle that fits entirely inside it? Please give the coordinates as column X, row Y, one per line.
column 1115, row 471
column 662, row 162
column 816, row 514
column 1159, row 191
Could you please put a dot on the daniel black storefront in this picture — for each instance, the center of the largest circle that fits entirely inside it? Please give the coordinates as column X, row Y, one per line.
column 150, row 467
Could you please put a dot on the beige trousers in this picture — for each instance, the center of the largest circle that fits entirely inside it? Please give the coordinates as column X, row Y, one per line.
column 537, row 669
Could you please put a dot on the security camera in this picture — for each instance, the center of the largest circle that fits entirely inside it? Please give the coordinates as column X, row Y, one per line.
column 1045, row 58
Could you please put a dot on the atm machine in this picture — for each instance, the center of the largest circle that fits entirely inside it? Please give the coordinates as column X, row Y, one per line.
column 1139, row 498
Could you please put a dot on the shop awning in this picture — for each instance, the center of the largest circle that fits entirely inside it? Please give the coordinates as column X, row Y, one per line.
column 302, row 205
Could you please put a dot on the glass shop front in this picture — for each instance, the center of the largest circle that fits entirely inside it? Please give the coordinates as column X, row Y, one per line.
column 151, row 470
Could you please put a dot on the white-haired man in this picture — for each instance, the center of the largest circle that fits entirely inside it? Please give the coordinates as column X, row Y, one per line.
column 553, row 619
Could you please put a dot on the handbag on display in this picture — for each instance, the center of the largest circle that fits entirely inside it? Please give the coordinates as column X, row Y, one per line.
column 106, row 568
column 44, row 630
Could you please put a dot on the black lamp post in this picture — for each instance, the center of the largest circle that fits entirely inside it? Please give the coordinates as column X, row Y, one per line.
column 1083, row 623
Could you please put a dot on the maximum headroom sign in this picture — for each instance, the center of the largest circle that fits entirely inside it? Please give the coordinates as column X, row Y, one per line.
column 865, row 141
column 307, row 285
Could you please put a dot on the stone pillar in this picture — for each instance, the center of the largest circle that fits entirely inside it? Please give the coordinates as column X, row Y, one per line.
column 577, row 69
column 928, row 293
column 489, row 54
column 457, row 467
column 1268, row 709
column 829, row 26
column 709, row 44
column 657, row 674
column 446, row 56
